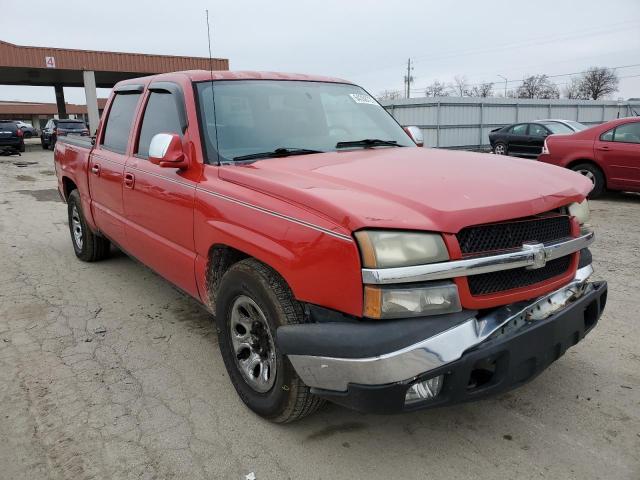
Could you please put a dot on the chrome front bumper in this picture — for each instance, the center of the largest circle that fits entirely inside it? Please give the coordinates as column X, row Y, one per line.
column 330, row 373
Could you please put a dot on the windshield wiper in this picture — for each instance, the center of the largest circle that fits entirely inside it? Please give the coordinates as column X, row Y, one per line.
column 278, row 152
column 366, row 142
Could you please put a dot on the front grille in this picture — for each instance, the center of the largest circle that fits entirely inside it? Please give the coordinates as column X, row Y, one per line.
column 496, row 238
column 493, row 282
column 510, row 235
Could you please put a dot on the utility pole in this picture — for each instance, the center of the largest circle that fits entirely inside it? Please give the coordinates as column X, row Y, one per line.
column 408, row 79
column 505, row 85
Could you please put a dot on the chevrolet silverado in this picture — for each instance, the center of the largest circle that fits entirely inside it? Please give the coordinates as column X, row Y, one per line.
column 341, row 261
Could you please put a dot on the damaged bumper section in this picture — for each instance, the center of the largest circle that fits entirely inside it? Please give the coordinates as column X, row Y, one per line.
column 402, row 365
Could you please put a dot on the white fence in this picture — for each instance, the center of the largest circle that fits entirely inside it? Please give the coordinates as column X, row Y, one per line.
column 453, row 122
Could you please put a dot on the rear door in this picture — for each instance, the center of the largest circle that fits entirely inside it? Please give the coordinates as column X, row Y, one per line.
column 518, row 139
column 537, row 134
column 107, row 160
column 159, row 201
column 618, row 150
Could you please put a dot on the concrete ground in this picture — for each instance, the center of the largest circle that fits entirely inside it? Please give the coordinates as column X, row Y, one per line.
column 107, row 372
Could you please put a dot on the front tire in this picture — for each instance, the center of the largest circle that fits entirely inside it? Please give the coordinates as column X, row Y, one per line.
column 251, row 303
column 87, row 246
column 593, row 173
column 500, row 149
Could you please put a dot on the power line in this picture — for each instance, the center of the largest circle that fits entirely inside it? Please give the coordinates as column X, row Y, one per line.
column 524, row 43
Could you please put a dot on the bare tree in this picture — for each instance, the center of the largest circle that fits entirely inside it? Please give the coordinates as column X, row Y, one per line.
column 538, row 86
column 598, row 82
column 483, row 90
column 574, row 91
column 460, row 86
column 436, row 89
column 389, row 95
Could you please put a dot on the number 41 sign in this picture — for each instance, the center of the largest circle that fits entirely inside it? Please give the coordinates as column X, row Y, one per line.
column 50, row 62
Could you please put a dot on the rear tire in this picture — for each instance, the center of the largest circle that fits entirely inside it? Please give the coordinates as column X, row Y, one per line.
column 593, row 173
column 252, row 296
column 45, row 146
column 500, row 149
column 87, row 246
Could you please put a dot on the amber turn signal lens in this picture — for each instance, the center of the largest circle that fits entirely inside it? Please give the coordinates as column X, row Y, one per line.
column 366, row 249
column 372, row 302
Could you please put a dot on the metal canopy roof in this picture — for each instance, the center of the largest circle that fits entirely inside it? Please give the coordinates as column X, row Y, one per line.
column 20, row 65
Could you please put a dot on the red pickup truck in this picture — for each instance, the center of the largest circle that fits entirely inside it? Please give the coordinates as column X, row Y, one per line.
column 341, row 261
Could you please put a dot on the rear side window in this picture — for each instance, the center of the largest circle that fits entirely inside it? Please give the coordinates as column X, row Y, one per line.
column 607, row 136
column 627, row 133
column 118, row 126
column 537, row 130
column 160, row 116
column 519, row 129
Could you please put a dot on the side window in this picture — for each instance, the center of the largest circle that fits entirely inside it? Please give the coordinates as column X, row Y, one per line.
column 518, row 129
column 607, row 136
column 118, row 126
column 627, row 133
column 536, row 130
column 160, row 116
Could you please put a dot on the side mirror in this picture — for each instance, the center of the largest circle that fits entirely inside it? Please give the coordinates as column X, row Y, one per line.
column 166, row 151
column 416, row 135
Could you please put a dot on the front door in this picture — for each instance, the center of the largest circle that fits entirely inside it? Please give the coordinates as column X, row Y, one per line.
column 106, row 166
column 618, row 150
column 159, row 201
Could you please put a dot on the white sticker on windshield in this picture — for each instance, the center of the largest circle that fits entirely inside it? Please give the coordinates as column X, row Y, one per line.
column 362, row 98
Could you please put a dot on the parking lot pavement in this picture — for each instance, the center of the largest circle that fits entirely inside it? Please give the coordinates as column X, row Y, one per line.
column 108, row 372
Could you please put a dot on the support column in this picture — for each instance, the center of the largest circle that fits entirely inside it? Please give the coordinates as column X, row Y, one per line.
column 62, row 108
column 91, row 96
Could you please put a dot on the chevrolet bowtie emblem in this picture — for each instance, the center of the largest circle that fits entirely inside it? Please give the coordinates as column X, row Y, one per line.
column 539, row 255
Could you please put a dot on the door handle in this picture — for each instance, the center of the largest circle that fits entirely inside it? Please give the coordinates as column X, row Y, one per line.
column 604, row 147
column 95, row 169
column 129, row 180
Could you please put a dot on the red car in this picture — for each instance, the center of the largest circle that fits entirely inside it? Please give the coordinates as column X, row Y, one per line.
column 608, row 154
column 341, row 261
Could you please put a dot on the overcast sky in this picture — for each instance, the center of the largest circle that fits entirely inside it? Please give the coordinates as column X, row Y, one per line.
column 367, row 42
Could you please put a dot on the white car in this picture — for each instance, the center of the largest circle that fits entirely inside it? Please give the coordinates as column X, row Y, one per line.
column 562, row 126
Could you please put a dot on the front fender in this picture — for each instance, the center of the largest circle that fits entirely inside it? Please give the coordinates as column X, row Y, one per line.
column 320, row 267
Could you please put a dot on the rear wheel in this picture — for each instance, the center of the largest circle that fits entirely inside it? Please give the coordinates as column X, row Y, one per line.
column 593, row 173
column 252, row 302
column 44, row 145
column 500, row 149
column 87, row 246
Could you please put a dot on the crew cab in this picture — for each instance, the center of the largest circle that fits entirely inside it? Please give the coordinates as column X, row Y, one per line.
column 341, row 261
column 607, row 154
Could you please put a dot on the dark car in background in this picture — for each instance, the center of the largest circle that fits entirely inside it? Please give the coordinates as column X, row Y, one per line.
column 522, row 139
column 61, row 127
column 11, row 137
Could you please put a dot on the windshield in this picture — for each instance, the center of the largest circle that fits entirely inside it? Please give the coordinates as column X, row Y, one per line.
column 259, row 116
column 557, row 127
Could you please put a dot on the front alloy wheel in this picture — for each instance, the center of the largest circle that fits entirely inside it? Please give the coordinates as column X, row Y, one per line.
column 255, row 352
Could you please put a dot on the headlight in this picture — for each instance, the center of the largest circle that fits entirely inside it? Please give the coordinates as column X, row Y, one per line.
column 580, row 211
column 433, row 298
column 387, row 249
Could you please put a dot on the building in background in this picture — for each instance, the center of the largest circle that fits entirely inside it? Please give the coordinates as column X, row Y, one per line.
column 38, row 114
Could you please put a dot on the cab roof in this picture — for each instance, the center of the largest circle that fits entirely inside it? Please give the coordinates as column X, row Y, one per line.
column 204, row 75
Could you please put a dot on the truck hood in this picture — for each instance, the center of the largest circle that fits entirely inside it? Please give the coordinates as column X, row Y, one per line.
column 412, row 188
